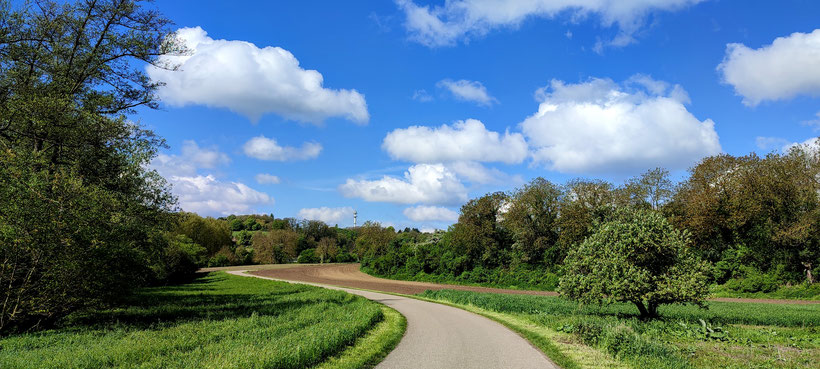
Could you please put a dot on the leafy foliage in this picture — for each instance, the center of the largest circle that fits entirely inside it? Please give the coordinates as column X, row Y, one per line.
column 637, row 257
column 81, row 219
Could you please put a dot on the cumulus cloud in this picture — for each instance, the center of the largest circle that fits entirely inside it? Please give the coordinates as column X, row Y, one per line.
column 251, row 81
column 264, row 178
column 191, row 158
column 326, row 214
column 782, row 70
column 430, row 213
column 599, row 126
column 460, row 20
column 477, row 173
column 466, row 140
column 205, row 194
column 208, row 196
column 422, row 183
column 472, row 91
column 264, row 148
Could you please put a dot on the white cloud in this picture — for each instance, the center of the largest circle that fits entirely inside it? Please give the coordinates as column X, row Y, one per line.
column 464, row 140
column 328, row 215
column 264, row 178
column 422, row 96
column 460, row 20
column 786, row 68
column 430, row 213
column 208, row 196
column 813, row 122
column 767, row 143
column 599, row 126
column 191, row 158
column 811, row 145
column 251, row 81
column 477, row 173
column 264, row 148
column 465, row 90
column 422, row 183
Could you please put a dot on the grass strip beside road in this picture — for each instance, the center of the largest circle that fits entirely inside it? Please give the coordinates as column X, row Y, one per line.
column 374, row 346
column 218, row 321
column 728, row 335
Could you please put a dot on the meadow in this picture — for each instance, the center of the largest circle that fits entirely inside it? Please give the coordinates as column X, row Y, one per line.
column 218, row 321
column 726, row 335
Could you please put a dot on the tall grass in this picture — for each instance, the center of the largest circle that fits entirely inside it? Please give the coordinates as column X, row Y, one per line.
column 725, row 335
column 220, row 321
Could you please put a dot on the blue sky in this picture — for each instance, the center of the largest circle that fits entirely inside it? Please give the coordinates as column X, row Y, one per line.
column 422, row 105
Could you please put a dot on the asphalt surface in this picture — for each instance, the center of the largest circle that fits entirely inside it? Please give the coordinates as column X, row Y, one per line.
column 444, row 337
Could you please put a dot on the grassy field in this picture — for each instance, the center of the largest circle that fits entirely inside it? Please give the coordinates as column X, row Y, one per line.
column 219, row 321
column 727, row 335
column 797, row 292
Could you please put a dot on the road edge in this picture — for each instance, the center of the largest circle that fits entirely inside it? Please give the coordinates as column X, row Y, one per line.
column 384, row 336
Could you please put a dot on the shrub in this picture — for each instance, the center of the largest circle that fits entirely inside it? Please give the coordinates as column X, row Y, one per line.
column 308, row 257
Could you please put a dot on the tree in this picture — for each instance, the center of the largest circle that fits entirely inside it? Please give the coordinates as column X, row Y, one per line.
column 276, row 246
column 652, row 189
column 479, row 234
column 81, row 218
column 584, row 202
column 636, row 257
column 533, row 218
column 210, row 233
column 326, row 248
column 372, row 239
column 236, row 224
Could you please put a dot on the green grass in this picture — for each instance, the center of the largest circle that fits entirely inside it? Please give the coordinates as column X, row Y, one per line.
column 219, row 321
column 803, row 291
column 744, row 335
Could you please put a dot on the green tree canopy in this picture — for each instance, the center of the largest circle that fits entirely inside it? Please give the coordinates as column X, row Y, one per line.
column 636, row 257
column 80, row 215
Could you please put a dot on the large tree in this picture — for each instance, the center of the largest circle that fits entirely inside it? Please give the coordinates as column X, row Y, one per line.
column 80, row 216
column 479, row 235
column 533, row 218
column 637, row 257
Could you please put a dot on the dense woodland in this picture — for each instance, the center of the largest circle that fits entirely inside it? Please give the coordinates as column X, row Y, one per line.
column 754, row 219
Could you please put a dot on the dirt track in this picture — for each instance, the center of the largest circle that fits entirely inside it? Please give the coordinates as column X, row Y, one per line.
column 348, row 275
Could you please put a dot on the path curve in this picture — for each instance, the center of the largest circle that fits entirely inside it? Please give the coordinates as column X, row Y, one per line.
column 349, row 275
column 440, row 336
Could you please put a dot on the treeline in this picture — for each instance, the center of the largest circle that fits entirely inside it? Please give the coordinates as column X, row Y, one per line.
column 755, row 219
column 263, row 239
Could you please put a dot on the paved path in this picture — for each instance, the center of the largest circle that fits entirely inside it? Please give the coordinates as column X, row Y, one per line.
column 444, row 337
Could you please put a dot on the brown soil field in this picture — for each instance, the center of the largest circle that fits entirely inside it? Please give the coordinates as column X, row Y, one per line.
column 349, row 275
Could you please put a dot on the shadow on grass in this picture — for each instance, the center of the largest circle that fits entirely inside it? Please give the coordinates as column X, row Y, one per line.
column 157, row 307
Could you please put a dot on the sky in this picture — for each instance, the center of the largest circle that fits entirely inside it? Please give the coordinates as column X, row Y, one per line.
column 404, row 110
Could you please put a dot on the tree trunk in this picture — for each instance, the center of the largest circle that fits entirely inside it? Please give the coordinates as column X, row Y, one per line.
column 641, row 308
column 653, row 310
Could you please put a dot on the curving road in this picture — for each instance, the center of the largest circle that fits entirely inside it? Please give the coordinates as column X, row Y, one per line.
column 440, row 336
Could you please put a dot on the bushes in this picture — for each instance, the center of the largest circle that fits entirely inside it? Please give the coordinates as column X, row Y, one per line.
column 181, row 259
column 308, row 257
column 754, row 281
